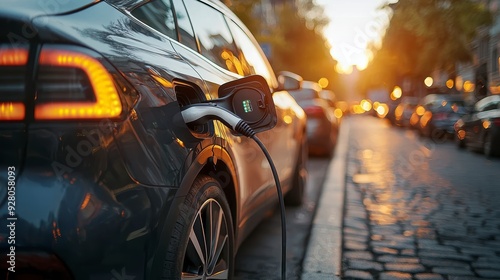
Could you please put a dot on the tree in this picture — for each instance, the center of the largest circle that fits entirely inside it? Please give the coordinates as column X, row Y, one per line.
column 424, row 36
column 296, row 40
column 303, row 49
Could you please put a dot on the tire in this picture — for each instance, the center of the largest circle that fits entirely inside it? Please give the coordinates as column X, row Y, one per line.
column 460, row 143
column 488, row 145
column 296, row 194
column 203, row 231
column 329, row 146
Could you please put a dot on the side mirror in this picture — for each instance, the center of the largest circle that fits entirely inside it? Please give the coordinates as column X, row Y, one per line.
column 289, row 81
column 250, row 99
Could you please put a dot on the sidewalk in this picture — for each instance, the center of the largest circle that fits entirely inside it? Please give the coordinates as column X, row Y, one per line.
column 324, row 251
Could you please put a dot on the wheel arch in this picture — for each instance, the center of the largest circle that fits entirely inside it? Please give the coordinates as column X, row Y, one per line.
column 216, row 162
column 213, row 161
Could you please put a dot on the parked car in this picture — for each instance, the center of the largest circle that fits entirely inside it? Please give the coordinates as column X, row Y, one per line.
column 331, row 100
column 322, row 125
column 405, row 110
column 437, row 113
column 480, row 130
column 105, row 178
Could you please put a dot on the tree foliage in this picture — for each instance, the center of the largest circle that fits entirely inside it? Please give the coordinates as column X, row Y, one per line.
column 303, row 49
column 296, row 41
column 427, row 35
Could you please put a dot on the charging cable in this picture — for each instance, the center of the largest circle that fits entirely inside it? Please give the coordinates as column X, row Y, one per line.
column 202, row 113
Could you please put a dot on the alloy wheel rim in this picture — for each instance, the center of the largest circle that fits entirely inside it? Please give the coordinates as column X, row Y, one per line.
column 207, row 253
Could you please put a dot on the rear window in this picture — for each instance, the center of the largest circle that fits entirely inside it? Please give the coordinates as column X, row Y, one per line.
column 210, row 27
column 304, row 94
column 158, row 15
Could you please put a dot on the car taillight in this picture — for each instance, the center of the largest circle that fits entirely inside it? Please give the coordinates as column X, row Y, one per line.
column 74, row 85
column 12, row 111
column 314, row 111
column 12, row 76
column 496, row 122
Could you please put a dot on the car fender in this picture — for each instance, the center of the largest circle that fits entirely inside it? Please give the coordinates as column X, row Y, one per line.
column 209, row 155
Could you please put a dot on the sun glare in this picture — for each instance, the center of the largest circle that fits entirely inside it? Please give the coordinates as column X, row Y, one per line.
column 354, row 26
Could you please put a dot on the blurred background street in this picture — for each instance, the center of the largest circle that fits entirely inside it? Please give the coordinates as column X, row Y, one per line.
column 415, row 208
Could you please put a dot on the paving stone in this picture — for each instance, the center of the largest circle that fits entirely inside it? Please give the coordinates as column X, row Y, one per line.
column 490, row 273
column 427, row 242
column 364, row 265
column 486, row 265
column 405, row 267
column 394, row 276
column 360, row 255
column 408, row 252
column 393, row 245
column 384, row 250
column 353, row 231
column 478, row 252
column 359, row 214
column 454, row 271
column 489, row 259
column 431, row 254
column 355, row 224
column 357, row 238
column 440, row 249
column 355, row 245
column 428, row 276
column 357, row 274
column 396, row 259
column 434, row 262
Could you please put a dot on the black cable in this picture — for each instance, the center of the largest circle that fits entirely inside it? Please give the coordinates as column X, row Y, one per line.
column 282, row 206
column 243, row 128
column 207, row 112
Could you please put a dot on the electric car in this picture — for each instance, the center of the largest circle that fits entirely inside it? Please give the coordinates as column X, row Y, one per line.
column 105, row 178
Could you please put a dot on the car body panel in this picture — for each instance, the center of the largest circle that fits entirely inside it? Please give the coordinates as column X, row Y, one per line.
column 473, row 129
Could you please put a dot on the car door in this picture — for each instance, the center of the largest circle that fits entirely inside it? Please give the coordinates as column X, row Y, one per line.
column 215, row 60
column 282, row 141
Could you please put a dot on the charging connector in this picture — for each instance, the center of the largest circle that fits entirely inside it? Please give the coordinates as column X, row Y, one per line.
column 204, row 112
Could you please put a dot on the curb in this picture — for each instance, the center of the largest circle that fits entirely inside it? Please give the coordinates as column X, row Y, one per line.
column 323, row 258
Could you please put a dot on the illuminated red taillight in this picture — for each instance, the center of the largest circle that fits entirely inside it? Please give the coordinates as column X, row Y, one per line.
column 73, row 85
column 12, row 111
column 69, row 85
column 496, row 122
column 13, row 57
column 314, row 111
column 12, row 76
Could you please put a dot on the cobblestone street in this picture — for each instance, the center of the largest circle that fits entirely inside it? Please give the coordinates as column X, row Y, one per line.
column 416, row 209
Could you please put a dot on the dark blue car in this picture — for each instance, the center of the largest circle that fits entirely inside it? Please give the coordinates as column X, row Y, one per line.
column 100, row 176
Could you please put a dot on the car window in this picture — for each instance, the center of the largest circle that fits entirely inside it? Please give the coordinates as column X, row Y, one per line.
column 186, row 33
column 252, row 58
column 158, row 15
column 214, row 37
column 491, row 106
column 487, row 103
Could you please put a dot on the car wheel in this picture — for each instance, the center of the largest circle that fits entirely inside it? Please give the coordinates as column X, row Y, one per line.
column 202, row 244
column 296, row 194
column 329, row 146
column 460, row 142
column 488, row 145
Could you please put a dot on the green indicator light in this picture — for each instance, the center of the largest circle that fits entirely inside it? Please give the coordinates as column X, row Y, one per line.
column 247, row 106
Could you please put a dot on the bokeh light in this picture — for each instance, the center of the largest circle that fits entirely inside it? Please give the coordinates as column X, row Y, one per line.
column 323, row 82
column 429, row 81
column 450, row 83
